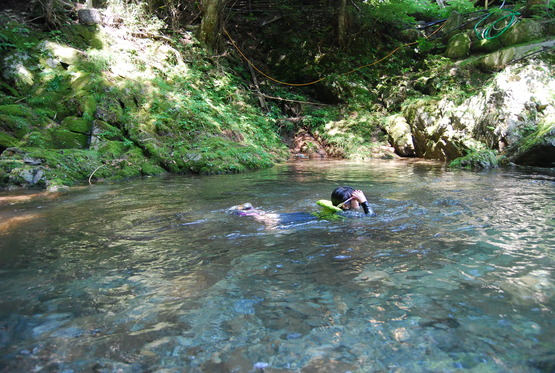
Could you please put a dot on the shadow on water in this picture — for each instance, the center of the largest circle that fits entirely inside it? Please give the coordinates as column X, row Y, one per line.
column 455, row 271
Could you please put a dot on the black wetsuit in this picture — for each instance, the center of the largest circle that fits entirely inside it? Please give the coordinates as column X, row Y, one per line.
column 366, row 207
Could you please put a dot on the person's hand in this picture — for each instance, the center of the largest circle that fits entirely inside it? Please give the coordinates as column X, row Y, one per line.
column 359, row 195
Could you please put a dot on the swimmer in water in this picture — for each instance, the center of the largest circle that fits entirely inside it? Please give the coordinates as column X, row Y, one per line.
column 246, row 209
column 348, row 198
column 272, row 220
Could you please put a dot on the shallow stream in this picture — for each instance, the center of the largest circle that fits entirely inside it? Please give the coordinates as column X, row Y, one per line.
column 455, row 272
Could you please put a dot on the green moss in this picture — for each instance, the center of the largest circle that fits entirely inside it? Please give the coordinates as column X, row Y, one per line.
column 65, row 139
column 109, row 109
column 18, row 126
column 54, row 105
column 16, row 110
column 215, row 155
column 7, row 141
column 477, row 159
column 38, row 139
column 88, row 104
column 151, row 169
column 77, row 124
column 82, row 83
column 105, row 131
column 111, row 149
column 85, row 36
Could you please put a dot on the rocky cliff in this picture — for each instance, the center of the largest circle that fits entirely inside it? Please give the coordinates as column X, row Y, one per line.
column 503, row 110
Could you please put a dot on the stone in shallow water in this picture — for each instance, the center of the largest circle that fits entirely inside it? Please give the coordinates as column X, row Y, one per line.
column 324, row 365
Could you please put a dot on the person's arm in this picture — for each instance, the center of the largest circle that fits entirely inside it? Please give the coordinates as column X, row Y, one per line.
column 366, row 207
column 361, row 198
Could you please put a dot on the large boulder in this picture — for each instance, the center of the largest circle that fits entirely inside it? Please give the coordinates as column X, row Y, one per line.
column 400, row 135
column 501, row 58
column 525, row 31
column 538, row 147
column 513, row 114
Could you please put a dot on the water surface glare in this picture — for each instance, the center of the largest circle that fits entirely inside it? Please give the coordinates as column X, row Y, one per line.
column 455, row 272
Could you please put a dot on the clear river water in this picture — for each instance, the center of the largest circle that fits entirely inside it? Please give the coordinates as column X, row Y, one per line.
column 455, row 272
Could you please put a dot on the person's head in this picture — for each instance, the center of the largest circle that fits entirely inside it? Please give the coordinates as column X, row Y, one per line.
column 342, row 194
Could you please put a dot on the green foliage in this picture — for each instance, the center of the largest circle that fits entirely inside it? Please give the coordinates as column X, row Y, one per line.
column 153, row 106
column 536, row 135
column 5, row 43
column 398, row 13
column 461, row 6
column 543, row 11
column 7, row 141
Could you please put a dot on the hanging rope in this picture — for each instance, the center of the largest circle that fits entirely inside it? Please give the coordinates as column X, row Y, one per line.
column 486, row 33
column 325, row 77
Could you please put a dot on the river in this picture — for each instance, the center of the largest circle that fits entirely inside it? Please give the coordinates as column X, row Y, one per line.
column 455, row 272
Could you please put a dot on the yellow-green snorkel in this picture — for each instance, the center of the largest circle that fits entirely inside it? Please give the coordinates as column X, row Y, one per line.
column 328, row 206
column 329, row 211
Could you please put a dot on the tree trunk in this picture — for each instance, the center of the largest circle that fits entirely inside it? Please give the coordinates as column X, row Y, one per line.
column 342, row 23
column 211, row 22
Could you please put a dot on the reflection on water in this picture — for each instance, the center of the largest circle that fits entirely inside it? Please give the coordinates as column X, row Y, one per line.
column 455, row 272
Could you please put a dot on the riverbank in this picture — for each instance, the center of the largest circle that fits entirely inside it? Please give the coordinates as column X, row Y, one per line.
column 126, row 98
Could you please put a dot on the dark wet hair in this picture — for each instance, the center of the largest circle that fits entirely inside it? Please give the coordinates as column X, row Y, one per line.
column 341, row 194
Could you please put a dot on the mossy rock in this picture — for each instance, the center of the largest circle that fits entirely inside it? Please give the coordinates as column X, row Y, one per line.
column 90, row 35
column 56, row 102
column 17, row 110
column 18, row 126
column 16, row 119
column 400, row 135
column 538, row 147
column 77, row 124
column 151, row 169
column 497, row 60
column 524, row 31
column 109, row 110
column 458, row 46
column 111, row 149
column 102, row 132
column 4, row 178
column 81, row 83
column 451, row 24
column 549, row 26
column 88, row 105
column 7, row 141
column 63, row 53
column 39, row 139
column 482, row 159
column 484, row 45
column 28, row 176
column 18, row 70
column 107, row 131
column 65, row 139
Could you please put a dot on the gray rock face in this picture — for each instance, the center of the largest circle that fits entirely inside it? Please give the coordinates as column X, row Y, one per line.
column 514, row 113
column 89, row 16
